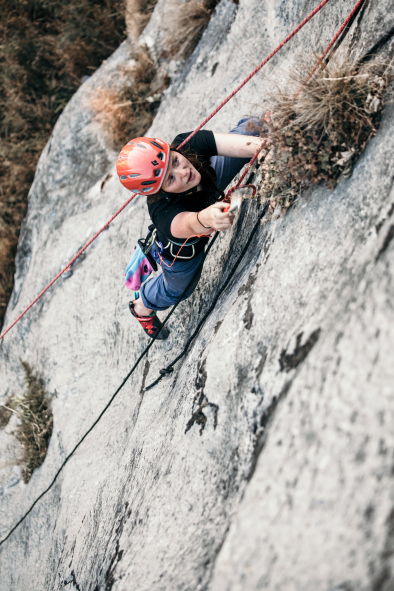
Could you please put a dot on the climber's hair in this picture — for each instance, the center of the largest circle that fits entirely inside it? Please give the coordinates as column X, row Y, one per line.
column 207, row 176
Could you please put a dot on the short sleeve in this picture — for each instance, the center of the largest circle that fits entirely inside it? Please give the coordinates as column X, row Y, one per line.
column 202, row 144
column 162, row 213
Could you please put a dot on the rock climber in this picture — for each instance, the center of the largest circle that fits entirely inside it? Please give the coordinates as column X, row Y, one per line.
column 184, row 189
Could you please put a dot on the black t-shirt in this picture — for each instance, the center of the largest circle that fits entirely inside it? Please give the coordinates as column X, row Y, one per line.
column 163, row 207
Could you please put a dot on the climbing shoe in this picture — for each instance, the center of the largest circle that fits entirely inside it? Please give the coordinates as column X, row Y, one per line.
column 151, row 324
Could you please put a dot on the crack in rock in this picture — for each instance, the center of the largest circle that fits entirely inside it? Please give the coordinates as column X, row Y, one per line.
column 115, row 559
column 386, row 242
column 383, row 579
column 246, row 289
column 201, row 401
column 370, row 53
column 386, row 217
column 107, row 578
column 144, row 376
column 288, row 361
column 262, row 424
column 72, row 580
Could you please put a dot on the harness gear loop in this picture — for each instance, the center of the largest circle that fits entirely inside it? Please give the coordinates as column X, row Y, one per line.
column 146, row 244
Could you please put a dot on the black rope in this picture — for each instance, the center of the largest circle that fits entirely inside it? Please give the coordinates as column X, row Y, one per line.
column 212, row 242
column 163, row 372
column 106, row 407
column 170, row 368
column 359, row 12
column 62, row 465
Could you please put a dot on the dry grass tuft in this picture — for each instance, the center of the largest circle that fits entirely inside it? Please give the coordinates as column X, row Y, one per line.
column 6, row 411
column 113, row 111
column 128, row 111
column 185, row 22
column 137, row 14
column 36, row 421
column 8, row 241
column 318, row 131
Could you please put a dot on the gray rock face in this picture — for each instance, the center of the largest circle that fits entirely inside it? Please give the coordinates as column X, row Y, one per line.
column 289, row 486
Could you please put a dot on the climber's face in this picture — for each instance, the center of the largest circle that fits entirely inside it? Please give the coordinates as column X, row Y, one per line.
column 181, row 175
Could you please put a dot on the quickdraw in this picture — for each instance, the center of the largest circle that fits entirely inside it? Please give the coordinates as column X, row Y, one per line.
column 146, row 244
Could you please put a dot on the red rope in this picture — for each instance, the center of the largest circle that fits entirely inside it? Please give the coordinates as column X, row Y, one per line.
column 247, row 186
column 257, row 69
column 339, row 32
column 226, row 198
column 105, row 227
column 225, row 101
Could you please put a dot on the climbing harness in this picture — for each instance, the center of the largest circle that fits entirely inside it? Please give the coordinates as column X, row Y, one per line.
column 170, row 367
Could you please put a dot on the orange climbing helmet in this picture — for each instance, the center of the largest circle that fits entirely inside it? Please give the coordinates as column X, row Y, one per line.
column 142, row 164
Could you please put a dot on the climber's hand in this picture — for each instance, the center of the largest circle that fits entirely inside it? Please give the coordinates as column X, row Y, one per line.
column 216, row 218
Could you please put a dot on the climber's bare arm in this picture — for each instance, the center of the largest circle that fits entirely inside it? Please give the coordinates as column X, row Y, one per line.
column 236, row 145
column 190, row 223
